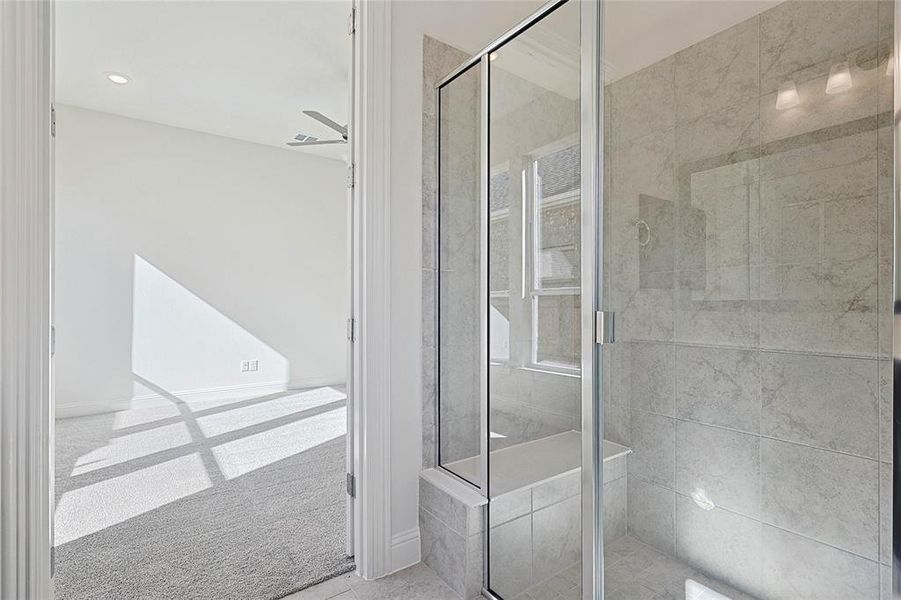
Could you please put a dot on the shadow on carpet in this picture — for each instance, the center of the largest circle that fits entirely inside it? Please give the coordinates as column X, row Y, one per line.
column 260, row 535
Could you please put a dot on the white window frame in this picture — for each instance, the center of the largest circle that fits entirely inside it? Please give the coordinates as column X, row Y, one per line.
column 532, row 247
column 494, row 217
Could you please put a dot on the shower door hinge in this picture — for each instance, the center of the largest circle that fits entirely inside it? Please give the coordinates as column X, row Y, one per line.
column 604, row 327
column 350, row 176
column 351, row 327
column 351, row 21
column 351, row 485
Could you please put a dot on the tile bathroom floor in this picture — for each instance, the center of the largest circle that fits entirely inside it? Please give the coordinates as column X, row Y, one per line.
column 636, row 571
column 632, row 571
column 418, row 582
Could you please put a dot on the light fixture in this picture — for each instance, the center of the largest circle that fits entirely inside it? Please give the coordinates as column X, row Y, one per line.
column 787, row 96
column 839, row 78
column 118, row 78
column 492, row 56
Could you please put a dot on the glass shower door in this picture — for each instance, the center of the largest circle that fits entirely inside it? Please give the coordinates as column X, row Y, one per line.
column 535, row 201
column 748, row 257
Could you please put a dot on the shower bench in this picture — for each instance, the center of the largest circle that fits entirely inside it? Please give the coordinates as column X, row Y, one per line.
column 534, row 514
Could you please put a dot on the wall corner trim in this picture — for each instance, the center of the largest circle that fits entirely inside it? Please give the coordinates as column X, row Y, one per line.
column 405, row 548
column 26, row 217
column 370, row 137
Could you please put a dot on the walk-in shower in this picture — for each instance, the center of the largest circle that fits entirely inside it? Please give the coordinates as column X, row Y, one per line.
column 663, row 257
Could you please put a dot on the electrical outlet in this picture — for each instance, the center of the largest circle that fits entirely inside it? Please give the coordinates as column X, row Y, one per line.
column 245, row 366
column 254, row 365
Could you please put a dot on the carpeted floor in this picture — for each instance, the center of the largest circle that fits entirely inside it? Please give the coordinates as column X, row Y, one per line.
column 241, row 500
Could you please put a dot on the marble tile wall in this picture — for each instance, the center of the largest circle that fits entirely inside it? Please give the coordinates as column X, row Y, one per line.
column 451, row 539
column 535, row 533
column 526, row 403
column 748, row 259
column 461, row 403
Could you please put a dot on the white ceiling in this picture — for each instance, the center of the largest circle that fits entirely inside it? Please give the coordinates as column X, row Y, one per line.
column 638, row 33
column 242, row 69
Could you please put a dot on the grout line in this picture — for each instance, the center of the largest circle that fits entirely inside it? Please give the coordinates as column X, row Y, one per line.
column 801, row 352
column 752, row 434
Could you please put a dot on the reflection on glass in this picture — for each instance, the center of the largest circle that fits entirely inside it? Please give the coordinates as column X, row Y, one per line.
column 459, row 284
column 534, row 257
column 748, row 233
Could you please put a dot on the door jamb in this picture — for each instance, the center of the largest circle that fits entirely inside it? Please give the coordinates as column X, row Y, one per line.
column 26, row 213
column 371, row 295
column 26, row 229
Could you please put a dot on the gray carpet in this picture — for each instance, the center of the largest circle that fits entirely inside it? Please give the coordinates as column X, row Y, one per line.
column 259, row 535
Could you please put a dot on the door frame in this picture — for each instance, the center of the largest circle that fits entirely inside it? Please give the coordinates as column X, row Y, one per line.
column 26, row 234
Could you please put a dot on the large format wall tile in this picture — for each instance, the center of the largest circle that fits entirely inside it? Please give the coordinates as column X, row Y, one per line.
column 644, row 373
column 557, row 538
column 821, row 151
column 615, row 518
column 802, row 39
column 797, row 567
column 617, row 423
column 720, row 543
column 443, row 549
column 820, row 111
column 642, row 102
column 653, row 453
column 886, row 411
column 886, row 512
column 717, row 307
column 718, row 138
column 824, row 307
column 650, row 509
column 724, row 464
column 823, row 401
column 643, row 304
column 718, row 386
column 825, row 495
column 510, row 556
column 718, row 72
column 640, row 170
column 777, row 298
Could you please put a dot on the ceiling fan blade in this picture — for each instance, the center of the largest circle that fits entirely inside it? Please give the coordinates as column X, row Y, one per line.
column 316, row 143
column 315, row 114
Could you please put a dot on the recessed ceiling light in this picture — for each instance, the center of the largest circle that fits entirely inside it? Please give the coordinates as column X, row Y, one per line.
column 118, row 78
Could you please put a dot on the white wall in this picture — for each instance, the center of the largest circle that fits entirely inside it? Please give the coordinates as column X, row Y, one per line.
column 468, row 25
column 180, row 254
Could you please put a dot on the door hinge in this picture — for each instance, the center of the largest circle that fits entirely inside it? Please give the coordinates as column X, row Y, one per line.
column 52, row 121
column 52, row 340
column 351, row 330
column 350, row 176
column 352, row 21
column 604, row 327
column 351, row 485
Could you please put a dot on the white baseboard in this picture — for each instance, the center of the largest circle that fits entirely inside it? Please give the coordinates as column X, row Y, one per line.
column 81, row 409
column 405, row 549
column 314, row 382
column 236, row 392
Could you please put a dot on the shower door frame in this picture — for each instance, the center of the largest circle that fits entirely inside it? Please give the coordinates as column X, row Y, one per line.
column 896, row 309
column 591, row 156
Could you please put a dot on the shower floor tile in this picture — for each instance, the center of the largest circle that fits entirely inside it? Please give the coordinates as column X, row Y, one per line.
column 635, row 571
